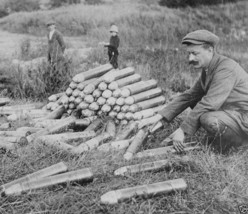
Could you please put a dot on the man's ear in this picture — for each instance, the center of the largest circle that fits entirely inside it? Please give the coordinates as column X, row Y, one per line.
column 211, row 49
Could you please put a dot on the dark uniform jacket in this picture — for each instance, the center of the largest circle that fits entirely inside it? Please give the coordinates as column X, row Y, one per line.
column 224, row 87
column 56, row 47
column 113, row 44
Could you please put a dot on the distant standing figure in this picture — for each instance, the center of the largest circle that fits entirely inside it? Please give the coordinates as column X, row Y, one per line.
column 113, row 46
column 56, row 44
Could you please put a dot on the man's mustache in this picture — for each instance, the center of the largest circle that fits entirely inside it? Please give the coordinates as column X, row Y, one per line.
column 193, row 62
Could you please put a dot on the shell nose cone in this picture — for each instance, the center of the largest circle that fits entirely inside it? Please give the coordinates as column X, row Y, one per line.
column 109, row 198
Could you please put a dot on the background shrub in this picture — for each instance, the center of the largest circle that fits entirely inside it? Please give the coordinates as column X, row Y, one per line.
column 59, row 3
column 192, row 3
column 22, row 5
column 93, row 2
column 39, row 84
column 30, row 50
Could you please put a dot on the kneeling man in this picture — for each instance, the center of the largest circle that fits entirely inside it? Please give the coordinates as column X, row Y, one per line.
column 219, row 98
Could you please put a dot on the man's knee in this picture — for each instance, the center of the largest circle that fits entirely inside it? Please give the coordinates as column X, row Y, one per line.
column 211, row 124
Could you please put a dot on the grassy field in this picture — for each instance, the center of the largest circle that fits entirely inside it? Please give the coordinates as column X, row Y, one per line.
column 150, row 41
column 150, row 35
column 216, row 184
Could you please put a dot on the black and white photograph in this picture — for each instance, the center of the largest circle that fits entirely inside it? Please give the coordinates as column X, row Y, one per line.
column 123, row 106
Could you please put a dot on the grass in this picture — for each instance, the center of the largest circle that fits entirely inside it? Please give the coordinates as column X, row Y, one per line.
column 150, row 41
column 216, row 184
column 150, row 35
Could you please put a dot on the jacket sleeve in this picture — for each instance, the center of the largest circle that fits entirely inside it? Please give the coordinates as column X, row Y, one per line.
column 61, row 41
column 183, row 101
column 220, row 87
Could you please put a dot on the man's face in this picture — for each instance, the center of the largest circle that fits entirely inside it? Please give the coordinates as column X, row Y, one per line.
column 50, row 27
column 113, row 33
column 199, row 56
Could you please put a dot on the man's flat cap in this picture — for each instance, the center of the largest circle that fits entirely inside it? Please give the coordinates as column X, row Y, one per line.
column 51, row 22
column 199, row 37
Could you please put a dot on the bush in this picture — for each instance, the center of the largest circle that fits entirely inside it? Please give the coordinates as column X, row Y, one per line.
column 93, row 2
column 3, row 12
column 192, row 3
column 59, row 3
column 23, row 5
column 29, row 51
column 41, row 83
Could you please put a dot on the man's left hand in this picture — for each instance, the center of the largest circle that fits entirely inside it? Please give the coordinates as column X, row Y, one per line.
column 178, row 139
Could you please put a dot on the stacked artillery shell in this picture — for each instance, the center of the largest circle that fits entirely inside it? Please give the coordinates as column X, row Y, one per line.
column 11, row 142
column 22, row 111
column 146, row 113
column 74, row 94
column 25, row 114
column 73, row 176
column 94, row 125
column 17, row 133
column 7, row 145
column 165, row 150
column 65, row 141
column 134, row 98
column 138, row 140
column 115, row 145
column 91, row 144
column 113, row 92
column 51, row 170
column 96, row 141
column 28, row 130
column 16, row 109
column 4, row 101
column 149, row 121
column 43, row 123
column 96, row 72
column 57, row 113
column 124, row 81
column 85, row 122
column 5, row 126
column 157, row 126
column 110, row 128
column 138, row 87
column 148, row 166
column 61, row 126
column 119, row 94
column 113, row 197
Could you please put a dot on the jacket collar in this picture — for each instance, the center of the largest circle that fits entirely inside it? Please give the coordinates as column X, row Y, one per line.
column 213, row 63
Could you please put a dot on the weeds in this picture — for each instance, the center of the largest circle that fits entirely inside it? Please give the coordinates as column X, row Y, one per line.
column 150, row 36
column 40, row 83
column 29, row 50
column 192, row 3
column 215, row 183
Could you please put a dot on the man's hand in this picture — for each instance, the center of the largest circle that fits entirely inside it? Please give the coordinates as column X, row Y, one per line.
column 178, row 139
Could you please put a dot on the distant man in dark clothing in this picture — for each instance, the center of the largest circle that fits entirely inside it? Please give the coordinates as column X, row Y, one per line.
column 56, row 44
column 58, row 65
column 113, row 46
column 219, row 98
